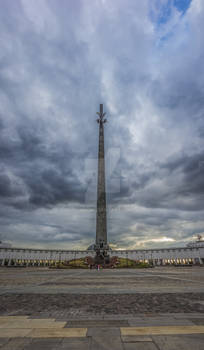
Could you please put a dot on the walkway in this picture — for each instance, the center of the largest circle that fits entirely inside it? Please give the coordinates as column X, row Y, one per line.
column 161, row 332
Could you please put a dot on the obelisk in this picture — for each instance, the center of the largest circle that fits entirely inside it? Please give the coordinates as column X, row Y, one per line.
column 101, row 223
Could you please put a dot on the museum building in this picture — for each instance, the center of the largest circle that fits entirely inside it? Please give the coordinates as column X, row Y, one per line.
column 191, row 254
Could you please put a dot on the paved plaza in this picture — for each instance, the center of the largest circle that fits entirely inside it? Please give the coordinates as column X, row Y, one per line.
column 158, row 309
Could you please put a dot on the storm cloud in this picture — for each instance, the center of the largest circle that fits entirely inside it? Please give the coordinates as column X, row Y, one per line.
column 144, row 61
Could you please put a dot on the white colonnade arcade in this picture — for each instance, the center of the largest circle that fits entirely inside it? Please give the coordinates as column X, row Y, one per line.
column 44, row 257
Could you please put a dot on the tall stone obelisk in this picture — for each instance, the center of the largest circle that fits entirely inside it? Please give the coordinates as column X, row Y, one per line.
column 101, row 246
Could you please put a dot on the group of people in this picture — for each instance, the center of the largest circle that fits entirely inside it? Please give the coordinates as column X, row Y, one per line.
column 96, row 266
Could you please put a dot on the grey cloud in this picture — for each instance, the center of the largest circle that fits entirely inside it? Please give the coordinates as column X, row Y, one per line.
column 51, row 187
column 193, row 173
column 7, row 189
column 55, row 69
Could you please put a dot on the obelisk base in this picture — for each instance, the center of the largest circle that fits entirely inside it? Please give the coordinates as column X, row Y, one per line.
column 101, row 257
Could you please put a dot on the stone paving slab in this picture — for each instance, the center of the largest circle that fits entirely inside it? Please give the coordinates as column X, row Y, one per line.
column 95, row 331
column 162, row 330
column 77, row 340
column 49, row 340
column 14, row 333
column 136, row 338
column 40, row 347
column 164, row 321
column 77, row 343
column 61, row 333
column 172, row 342
column 75, row 346
column 140, row 346
column 97, row 323
column 198, row 321
column 10, row 318
column 16, row 344
column 30, row 324
column 3, row 341
column 37, row 328
column 105, row 338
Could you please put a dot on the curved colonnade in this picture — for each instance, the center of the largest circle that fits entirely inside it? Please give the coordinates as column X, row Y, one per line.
column 45, row 257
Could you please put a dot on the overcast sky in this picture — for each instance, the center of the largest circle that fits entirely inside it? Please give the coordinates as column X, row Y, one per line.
column 144, row 61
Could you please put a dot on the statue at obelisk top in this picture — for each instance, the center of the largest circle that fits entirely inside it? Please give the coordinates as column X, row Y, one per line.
column 101, row 246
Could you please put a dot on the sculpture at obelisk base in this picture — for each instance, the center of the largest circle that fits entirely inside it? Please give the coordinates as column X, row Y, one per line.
column 101, row 246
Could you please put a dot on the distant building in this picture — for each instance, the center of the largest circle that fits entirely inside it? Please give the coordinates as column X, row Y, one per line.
column 196, row 244
column 49, row 257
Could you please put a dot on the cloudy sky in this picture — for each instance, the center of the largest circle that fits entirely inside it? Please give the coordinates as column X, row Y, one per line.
column 144, row 61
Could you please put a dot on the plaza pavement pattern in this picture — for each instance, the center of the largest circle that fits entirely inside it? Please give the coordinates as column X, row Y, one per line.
column 156, row 314
column 21, row 332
